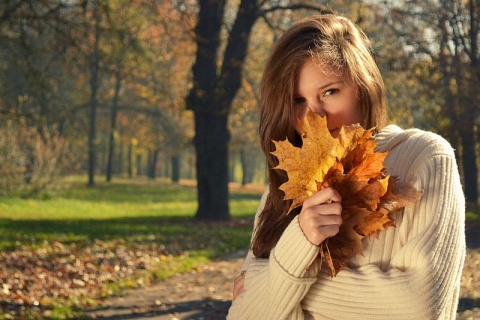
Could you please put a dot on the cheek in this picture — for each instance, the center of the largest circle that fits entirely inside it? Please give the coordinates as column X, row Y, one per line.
column 352, row 113
column 356, row 113
column 346, row 116
column 300, row 112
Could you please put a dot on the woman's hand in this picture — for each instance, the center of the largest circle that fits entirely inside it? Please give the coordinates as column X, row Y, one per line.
column 320, row 217
column 238, row 285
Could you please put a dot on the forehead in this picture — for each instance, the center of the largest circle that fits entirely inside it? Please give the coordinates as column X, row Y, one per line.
column 314, row 74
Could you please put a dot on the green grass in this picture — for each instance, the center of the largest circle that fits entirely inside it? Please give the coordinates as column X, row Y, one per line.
column 135, row 212
column 132, row 209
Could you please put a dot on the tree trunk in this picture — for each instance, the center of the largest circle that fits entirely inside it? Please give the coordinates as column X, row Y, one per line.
column 113, row 125
column 466, row 123
column 92, row 155
column 152, row 163
column 210, row 123
column 231, row 167
column 469, row 140
column 129, row 160
column 211, row 97
column 29, row 166
column 248, row 166
column 139, row 165
column 474, row 33
column 120, row 159
column 176, row 164
column 211, row 144
column 469, row 164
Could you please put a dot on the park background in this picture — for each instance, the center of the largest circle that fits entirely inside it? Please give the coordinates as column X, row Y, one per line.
column 129, row 149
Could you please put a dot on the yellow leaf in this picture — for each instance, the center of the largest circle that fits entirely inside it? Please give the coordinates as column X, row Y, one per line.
column 308, row 165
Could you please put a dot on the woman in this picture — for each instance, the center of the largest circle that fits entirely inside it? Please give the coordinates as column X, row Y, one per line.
column 412, row 271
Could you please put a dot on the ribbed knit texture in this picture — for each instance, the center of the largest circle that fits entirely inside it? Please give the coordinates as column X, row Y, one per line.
column 411, row 271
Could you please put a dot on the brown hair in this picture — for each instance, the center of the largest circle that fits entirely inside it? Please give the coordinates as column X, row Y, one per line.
column 331, row 41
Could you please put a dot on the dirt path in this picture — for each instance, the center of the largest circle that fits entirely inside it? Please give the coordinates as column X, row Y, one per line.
column 205, row 293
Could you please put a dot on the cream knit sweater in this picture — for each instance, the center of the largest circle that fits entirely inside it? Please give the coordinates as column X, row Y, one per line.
column 411, row 271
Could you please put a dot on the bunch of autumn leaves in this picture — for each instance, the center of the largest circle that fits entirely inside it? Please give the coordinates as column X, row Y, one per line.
column 349, row 164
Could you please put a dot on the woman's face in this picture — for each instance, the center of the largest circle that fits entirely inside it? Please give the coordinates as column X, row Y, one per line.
column 327, row 94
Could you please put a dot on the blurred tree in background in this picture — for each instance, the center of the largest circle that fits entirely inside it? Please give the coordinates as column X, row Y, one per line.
column 171, row 88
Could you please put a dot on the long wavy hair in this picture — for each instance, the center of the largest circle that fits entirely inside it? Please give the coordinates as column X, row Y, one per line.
column 335, row 43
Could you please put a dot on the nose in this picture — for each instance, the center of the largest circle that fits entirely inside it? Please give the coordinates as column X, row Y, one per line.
column 315, row 106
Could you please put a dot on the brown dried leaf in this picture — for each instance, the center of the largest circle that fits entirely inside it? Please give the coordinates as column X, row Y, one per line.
column 350, row 165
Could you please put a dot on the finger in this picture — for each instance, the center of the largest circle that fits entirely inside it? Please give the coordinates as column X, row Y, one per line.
column 318, row 234
column 238, row 287
column 332, row 194
column 329, row 231
column 331, row 219
column 329, row 209
column 323, row 196
column 324, row 209
column 322, row 220
column 237, row 291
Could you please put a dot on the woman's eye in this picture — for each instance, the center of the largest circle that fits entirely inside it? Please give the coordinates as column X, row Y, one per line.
column 298, row 100
column 329, row 92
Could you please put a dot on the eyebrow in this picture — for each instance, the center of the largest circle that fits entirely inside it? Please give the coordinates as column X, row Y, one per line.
column 324, row 86
column 329, row 84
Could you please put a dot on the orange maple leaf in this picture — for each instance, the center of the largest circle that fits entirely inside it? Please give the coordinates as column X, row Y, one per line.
column 350, row 165
column 308, row 165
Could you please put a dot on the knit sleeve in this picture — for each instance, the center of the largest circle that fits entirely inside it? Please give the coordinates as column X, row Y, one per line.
column 275, row 287
column 422, row 277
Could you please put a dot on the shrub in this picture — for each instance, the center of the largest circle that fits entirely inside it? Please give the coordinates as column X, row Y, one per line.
column 32, row 160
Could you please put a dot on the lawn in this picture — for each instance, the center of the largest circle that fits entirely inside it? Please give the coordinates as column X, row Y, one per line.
column 83, row 244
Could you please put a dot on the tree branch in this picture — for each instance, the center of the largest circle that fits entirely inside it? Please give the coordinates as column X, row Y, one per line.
column 262, row 2
column 457, row 34
column 269, row 24
column 296, row 7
